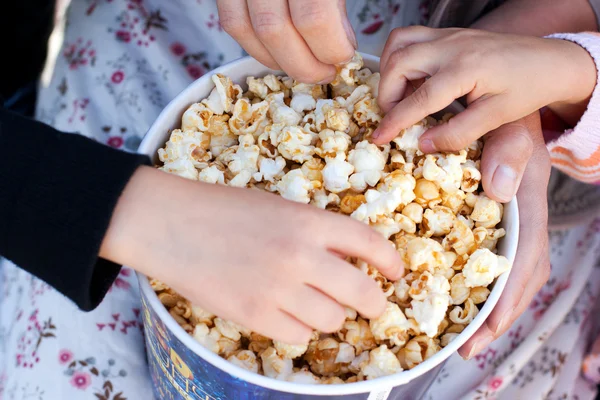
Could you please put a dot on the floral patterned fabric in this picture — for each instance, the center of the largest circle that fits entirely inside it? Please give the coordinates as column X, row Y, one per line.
column 113, row 65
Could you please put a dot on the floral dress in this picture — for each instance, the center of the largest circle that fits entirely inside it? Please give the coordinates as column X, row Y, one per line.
column 112, row 66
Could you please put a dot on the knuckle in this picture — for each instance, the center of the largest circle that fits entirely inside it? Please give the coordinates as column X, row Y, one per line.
column 268, row 25
column 451, row 139
column 398, row 56
column 421, row 97
column 233, row 25
column 311, row 17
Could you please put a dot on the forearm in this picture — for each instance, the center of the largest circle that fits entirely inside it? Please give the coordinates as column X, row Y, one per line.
column 540, row 17
column 57, row 195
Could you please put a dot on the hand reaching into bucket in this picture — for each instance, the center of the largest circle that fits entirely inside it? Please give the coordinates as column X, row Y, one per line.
column 305, row 38
column 271, row 265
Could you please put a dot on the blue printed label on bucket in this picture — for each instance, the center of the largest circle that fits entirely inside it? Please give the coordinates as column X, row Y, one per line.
column 179, row 373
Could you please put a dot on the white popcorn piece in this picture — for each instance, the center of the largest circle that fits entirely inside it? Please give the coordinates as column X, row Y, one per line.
column 425, row 255
column 289, row 350
column 202, row 334
column 245, row 359
column 221, row 137
column 230, row 329
column 368, row 161
column 295, row 186
column 313, row 168
column 337, row 119
column 302, row 102
column 345, row 354
column 465, row 314
column 430, row 312
column 446, row 171
column 408, row 139
column 247, row 117
column 382, row 362
column 303, row 376
column 201, row 316
column 280, row 113
column 417, row 350
column 471, row 176
column 196, row 118
column 270, row 170
column 212, row 174
column 483, row 267
column 486, row 213
column 358, row 334
column 186, row 145
column 460, row 238
column 333, row 144
column 367, row 113
column 392, row 325
column 224, row 94
column 427, row 284
column 400, row 180
column 321, row 109
column 257, row 86
column 413, row 211
column 378, row 204
column 182, row 167
column 336, row 174
column 275, row 366
column 401, row 289
column 459, row 292
column 438, row 221
column 355, row 96
column 294, row 144
column 321, row 199
column 348, row 71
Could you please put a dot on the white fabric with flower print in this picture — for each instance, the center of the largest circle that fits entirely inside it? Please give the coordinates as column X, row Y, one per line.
column 113, row 65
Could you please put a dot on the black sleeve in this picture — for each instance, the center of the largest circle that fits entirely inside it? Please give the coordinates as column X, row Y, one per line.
column 57, row 195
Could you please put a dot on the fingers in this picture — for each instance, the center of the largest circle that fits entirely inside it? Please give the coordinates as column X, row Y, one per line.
column 235, row 20
column 314, row 309
column 432, row 96
column 356, row 239
column 281, row 326
column 531, row 267
column 505, row 156
column 325, row 28
column 273, row 26
column 348, row 286
column 407, row 36
column 464, row 128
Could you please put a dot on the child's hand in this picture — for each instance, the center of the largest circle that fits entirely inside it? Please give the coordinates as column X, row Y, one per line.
column 272, row 265
column 504, row 78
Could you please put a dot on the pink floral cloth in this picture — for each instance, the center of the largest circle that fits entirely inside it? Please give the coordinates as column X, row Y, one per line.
column 113, row 65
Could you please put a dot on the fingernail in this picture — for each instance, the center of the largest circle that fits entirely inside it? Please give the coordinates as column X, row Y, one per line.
column 479, row 345
column 375, row 134
column 349, row 31
column 504, row 182
column 505, row 320
column 427, row 146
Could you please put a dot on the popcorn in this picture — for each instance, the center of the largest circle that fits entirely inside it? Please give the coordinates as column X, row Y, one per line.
column 295, row 144
column 276, row 366
column 382, row 362
column 247, row 117
column 196, row 118
column 310, row 144
column 425, row 255
column 392, row 325
column 464, row 315
column 368, row 162
column 438, row 221
column 336, row 174
column 289, row 350
column 416, row 351
column 303, row 376
column 378, row 204
column 483, row 267
column 430, row 312
column 212, row 175
column 358, row 334
column 333, row 144
column 295, row 186
column 487, row 213
column 245, row 359
column 280, row 113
